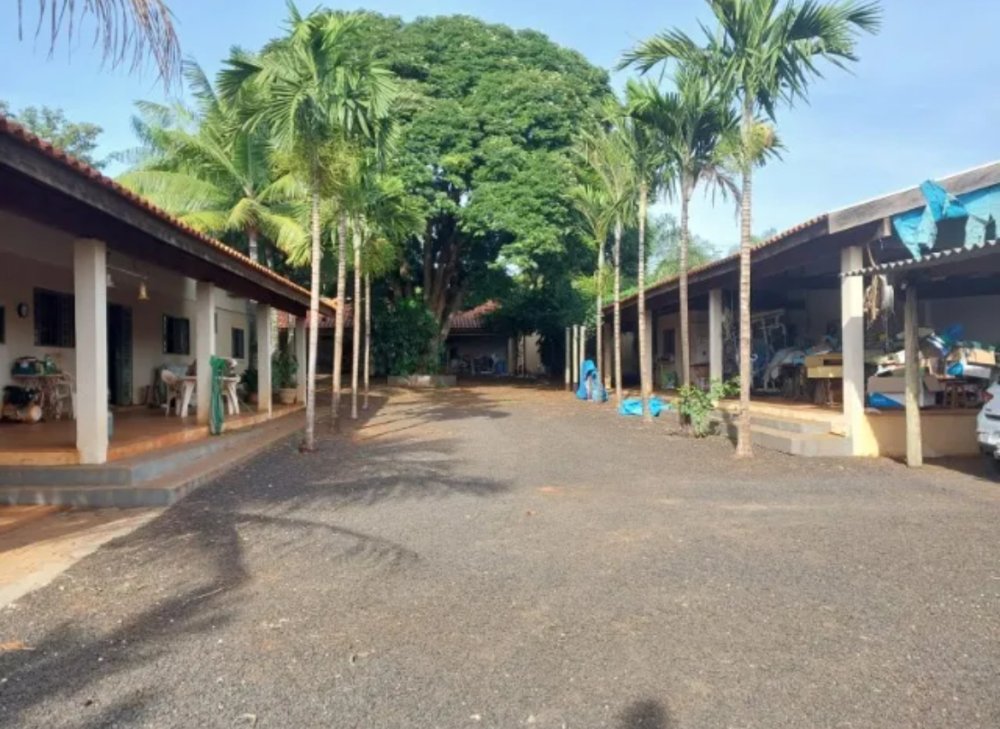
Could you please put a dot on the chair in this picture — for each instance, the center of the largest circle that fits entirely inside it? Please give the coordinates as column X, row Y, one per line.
column 175, row 392
column 63, row 391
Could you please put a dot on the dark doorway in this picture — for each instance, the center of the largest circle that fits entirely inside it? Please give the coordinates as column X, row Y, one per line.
column 119, row 354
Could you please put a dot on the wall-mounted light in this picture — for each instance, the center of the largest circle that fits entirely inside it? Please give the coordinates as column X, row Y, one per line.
column 143, row 293
column 109, row 282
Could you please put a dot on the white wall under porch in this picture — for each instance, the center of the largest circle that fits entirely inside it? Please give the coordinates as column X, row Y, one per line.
column 33, row 256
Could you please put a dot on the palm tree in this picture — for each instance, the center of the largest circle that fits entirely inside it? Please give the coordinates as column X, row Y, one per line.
column 648, row 114
column 605, row 153
column 763, row 55
column 312, row 91
column 594, row 206
column 211, row 172
column 139, row 28
column 701, row 123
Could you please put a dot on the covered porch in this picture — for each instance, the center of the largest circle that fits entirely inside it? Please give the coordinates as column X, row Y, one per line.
column 107, row 293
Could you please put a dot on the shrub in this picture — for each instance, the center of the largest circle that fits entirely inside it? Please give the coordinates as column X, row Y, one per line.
column 696, row 405
column 404, row 338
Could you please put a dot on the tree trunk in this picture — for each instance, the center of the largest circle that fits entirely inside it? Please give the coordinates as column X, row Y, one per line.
column 685, row 360
column 645, row 377
column 368, row 335
column 338, row 329
column 356, row 334
column 617, row 263
column 599, row 330
column 744, row 446
column 317, row 251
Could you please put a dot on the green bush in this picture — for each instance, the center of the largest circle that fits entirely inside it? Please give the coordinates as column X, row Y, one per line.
column 284, row 368
column 404, row 338
column 696, row 405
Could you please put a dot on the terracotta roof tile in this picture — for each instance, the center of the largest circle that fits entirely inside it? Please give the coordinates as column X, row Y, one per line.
column 16, row 131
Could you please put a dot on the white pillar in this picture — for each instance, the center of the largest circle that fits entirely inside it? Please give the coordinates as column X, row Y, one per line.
column 91, row 322
column 852, row 325
column 715, row 369
column 512, row 356
column 265, row 398
column 300, row 357
column 576, row 355
column 583, row 347
column 569, row 358
column 914, row 382
column 204, row 346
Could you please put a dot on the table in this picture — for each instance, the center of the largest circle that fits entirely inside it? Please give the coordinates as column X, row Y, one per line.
column 228, row 389
column 48, row 389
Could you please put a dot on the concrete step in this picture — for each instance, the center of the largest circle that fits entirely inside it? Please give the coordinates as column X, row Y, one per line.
column 790, row 425
column 810, row 445
column 159, row 489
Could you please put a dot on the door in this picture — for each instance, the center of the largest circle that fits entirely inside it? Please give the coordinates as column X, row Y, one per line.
column 119, row 355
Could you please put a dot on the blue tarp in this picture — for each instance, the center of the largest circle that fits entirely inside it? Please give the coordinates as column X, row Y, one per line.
column 633, row 406
column 919, row 228
column 590, row 383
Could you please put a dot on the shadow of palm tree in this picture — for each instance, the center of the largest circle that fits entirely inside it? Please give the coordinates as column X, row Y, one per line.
column 278, row 498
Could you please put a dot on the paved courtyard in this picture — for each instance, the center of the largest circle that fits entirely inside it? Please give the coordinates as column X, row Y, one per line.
column 507, row 557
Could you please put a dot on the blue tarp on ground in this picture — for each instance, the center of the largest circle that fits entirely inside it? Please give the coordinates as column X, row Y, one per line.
column 590, row 383
column 633, row 406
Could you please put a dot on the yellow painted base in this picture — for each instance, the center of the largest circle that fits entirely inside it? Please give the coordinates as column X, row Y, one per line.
column 943, row 432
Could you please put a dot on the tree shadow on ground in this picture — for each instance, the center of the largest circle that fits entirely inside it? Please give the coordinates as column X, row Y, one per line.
column 646, row 714
column 195, row 570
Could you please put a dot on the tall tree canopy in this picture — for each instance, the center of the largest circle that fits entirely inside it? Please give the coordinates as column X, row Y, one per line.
column 76, row 138
column 486, row 126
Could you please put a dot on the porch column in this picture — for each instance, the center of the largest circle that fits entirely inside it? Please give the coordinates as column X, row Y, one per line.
column 300, row 357
column 715, row 368
column 512, row 356
column 265, row 399
column 852, row 325
column 914, row 382
column 583, row 348
column 204, row 347
column 650, row 354
column 576, row 356
column 569, row 359
column 91, row 322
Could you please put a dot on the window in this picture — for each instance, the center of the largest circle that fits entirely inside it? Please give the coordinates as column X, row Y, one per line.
column 55, row 319
column 238, row 350
column 176, row 335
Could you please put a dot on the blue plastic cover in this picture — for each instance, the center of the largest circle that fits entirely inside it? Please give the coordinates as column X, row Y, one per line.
column 590, row 383
column 633, row 406
column 918, row 228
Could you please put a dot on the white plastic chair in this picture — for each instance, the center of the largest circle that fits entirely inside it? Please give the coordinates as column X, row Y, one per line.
column 175, row 392
column 63, row 390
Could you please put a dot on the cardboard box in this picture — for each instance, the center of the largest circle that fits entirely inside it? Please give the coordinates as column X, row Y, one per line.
column 894, row 387
column 973, row 356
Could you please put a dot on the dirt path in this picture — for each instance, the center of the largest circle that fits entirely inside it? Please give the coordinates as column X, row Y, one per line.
column 503, row 557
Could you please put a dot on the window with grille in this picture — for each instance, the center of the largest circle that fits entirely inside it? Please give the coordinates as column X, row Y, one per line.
column 55, row 319
column 176, row 335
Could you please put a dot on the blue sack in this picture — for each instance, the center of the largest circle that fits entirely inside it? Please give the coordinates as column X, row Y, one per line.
column 590, row 383
column 633, row 406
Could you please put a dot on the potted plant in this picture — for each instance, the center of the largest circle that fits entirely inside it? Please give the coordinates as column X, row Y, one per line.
column 248, row 380
column 284, row 368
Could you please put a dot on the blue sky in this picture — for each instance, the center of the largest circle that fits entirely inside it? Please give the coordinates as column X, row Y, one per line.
column 921, row 103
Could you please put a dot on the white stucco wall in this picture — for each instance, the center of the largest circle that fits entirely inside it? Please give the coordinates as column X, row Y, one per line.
column 34, row 256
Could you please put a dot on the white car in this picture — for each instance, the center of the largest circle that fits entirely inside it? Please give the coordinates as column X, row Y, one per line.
column 988, row 425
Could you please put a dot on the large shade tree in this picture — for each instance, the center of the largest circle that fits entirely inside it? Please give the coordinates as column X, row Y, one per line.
column 487, row 122
column 317, row 95
column 764, row 53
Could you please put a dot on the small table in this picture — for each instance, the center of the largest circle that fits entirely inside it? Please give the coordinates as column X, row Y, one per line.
column 228, row 387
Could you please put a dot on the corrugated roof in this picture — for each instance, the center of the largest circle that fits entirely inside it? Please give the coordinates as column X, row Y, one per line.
column 928, row 259
column 18, row 132
column 651, row 289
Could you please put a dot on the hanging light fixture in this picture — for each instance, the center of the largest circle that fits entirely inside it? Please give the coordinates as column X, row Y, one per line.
column 143, row 293
column 109, row 282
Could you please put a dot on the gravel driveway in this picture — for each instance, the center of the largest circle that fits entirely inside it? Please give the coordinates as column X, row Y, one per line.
column 507, row 557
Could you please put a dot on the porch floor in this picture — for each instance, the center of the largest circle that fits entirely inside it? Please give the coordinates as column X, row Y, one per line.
column 137, row 430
